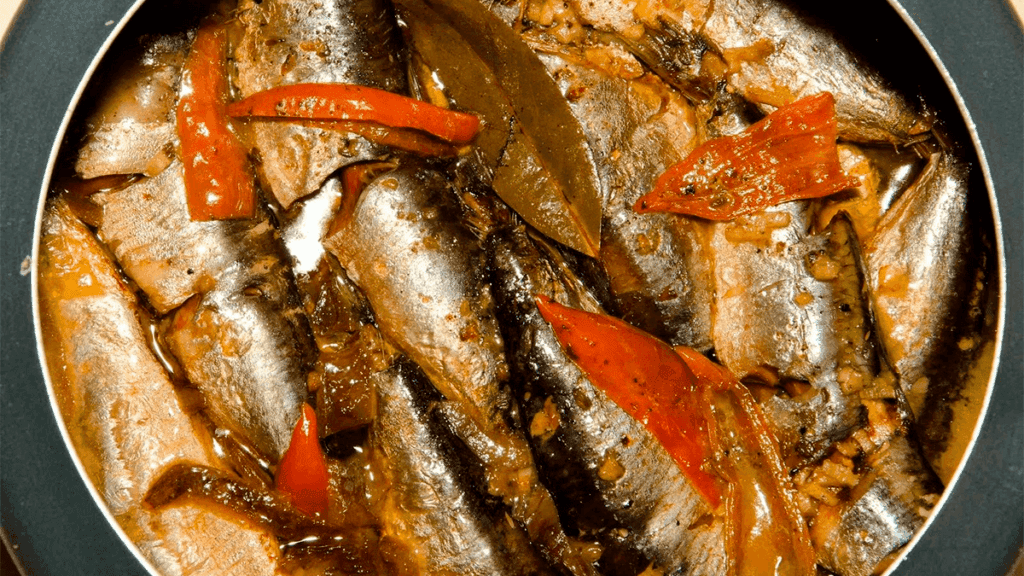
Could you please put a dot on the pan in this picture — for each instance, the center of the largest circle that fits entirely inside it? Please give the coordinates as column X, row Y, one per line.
column 973, row 56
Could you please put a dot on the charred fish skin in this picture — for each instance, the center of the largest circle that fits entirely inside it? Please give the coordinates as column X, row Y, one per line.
column 610, row 477
column 788, row 307
column 121, row 411
column 927, row 269
column 242, row 339
column 433, row 505
column 293, row 41
column 636, row 129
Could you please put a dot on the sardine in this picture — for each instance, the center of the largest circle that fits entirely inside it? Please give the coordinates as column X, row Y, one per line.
column 131, row 130
column 886, row 509
column 424, row 273
column 242, row 339
column 772, row 55
column 293, row 41
column 637, row 128
column 433, row 503
column 927, row 273
column 788, row 307
column 121, row 411
column 610, row 476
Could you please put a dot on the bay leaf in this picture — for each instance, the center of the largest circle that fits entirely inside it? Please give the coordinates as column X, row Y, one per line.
column 540, row 163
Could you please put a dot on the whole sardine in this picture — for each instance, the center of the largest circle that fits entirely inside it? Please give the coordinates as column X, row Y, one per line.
column 637, row 128
column 610, row 476
column 294, row 41
column 121, row 411
column 242, row 338
column 434, row 504
column 927, row 272
column 424, row 272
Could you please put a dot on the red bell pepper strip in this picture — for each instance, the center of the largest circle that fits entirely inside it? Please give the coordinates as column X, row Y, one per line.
column 302, row 472
column 352, row 102
column 788, row 155
column 767, row 534
column 648, row 380
column 218, row 184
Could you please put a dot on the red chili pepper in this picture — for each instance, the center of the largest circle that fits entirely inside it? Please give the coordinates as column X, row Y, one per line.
column 302, row 472
column 648, row 380
column 218, row 184
column 351, row 102
column 788, row 155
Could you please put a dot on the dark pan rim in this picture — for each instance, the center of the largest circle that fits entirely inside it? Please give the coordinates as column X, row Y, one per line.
column 51, row 519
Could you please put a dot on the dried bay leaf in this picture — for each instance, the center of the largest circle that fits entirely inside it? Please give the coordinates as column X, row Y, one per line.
column 534, row 147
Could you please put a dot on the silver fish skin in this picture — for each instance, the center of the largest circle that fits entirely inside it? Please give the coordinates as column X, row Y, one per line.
column 132, row 129
column 927, row 276
column 243, row 340
column 788, row 307
column 249, row 359
column 433, row 503
column 424, row 273
column 636, row 129
column 294, row 41
column 888, row 506
column 122, row 413
column 610, row 477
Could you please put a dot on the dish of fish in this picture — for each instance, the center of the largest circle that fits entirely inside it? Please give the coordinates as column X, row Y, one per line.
column 536, row 287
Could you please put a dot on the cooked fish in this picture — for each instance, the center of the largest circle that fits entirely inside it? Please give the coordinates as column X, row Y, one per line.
column 637, row 127
column 886, row 509
column 335, row 41
column 242, row 338
column 769, row 53
column 788, row 307
column 434, row 502
column 121, row 411
column 803, row 59
column 309, row 545
column 424, row 272
column 927, row 274
column 611, row 478
column 131, row 130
